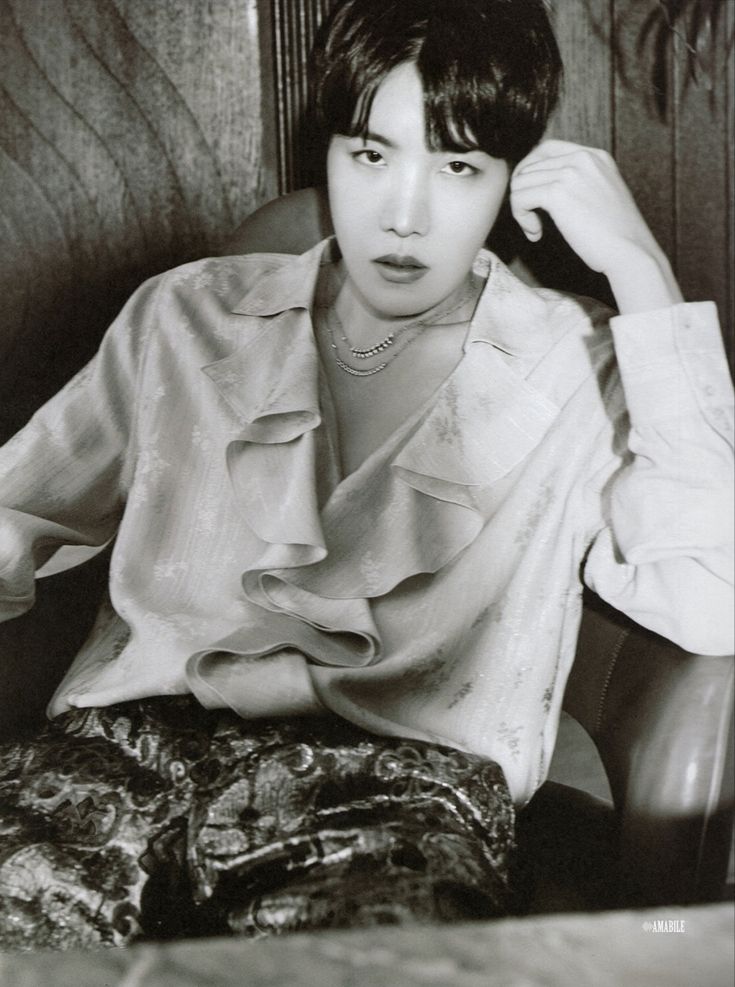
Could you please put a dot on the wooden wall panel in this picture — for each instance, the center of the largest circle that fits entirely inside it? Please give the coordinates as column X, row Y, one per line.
column 643, row 142
column 293, row 27
column 702, row 114
column 673, row 140
column 585, row 109
column 133, row 136
column 729, row 252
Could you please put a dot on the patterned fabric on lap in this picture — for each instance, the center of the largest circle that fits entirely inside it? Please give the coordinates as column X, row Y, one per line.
column 156, row 819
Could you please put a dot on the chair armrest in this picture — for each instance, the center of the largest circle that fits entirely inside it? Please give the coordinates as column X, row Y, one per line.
column 662, row 721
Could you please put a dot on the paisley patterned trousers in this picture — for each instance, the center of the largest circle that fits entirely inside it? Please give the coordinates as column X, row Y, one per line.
column 158, row 819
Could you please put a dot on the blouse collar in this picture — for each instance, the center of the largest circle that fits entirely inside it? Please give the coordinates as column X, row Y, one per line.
column 481, row 423
column 509, row 317
column 507, row 314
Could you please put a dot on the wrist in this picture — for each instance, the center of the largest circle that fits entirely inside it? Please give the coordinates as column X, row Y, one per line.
column 642, row 280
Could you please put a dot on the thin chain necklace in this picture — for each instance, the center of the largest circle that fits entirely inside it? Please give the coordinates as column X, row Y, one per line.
column 407, row 332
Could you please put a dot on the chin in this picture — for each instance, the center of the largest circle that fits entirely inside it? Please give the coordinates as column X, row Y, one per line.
column 402, row 308
column 401, row 301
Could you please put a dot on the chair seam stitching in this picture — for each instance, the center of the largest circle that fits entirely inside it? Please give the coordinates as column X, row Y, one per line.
column 614, row 655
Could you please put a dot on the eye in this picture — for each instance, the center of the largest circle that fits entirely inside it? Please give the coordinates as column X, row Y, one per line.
column 459, row 168
column 368, row 156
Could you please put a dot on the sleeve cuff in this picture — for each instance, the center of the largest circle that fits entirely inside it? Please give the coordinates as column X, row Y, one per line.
column 672, row 362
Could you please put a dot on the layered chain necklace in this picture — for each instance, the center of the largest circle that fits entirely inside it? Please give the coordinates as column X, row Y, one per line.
column 397, row 340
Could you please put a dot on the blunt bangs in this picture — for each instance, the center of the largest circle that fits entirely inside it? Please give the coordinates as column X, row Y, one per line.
column 490, row 69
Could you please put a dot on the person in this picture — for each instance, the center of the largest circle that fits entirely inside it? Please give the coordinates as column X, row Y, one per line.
column 356, row 494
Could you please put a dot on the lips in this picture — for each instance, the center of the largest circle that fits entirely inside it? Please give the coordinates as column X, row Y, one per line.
column 400, row 268
column 400, row 260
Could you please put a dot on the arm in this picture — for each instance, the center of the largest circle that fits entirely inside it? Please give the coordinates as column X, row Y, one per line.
column 662, row 536
column 63, row 477
column 662, row 548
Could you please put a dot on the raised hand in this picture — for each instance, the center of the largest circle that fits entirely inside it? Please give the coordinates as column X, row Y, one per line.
column 586, row 196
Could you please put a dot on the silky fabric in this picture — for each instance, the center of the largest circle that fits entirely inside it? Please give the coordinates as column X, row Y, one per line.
column 435, row 592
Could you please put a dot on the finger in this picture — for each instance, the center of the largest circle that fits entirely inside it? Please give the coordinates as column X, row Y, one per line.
column 529, row 195
column 553, row 148
column 550, row 149
column 538, row 178
column 531, row 226
column 551, row 153
column 570, row 161
column 523, row 209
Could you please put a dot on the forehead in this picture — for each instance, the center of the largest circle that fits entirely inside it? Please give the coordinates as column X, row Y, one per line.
column 398, row 112
column 399, row 100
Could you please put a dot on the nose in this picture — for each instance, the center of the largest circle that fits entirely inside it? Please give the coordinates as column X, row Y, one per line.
column 406, row 209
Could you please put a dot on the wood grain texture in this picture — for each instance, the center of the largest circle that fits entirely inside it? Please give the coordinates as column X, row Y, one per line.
column 585, row 108
column 131, row 140
column 729, row 313
column 643, row 142
column 294, row 25
column 702, row 162
column 673, row 141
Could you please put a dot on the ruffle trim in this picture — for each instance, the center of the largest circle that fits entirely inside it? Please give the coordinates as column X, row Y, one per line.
column 412, row 507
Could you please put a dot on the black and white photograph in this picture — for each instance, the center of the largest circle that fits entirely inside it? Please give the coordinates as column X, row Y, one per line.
column 366, row 493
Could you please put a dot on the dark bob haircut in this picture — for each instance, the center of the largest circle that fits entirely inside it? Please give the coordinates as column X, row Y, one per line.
column 490, row 69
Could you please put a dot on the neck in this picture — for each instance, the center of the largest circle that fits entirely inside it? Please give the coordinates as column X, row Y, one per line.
column 367, row 327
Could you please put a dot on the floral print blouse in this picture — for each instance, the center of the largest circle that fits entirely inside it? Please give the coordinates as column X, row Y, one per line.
column 433, row 593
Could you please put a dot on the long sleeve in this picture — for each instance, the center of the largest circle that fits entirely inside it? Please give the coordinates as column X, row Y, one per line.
column 63, row 476
column 664, row 550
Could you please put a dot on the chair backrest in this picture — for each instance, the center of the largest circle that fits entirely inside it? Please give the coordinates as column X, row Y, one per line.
column 661, row 718
column 290, row 224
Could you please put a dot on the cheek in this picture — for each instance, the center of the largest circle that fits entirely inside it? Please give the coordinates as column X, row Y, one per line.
column 337, row 187
column 473, row 213
column 468, row 230
column 487, row 216
column 347, row 205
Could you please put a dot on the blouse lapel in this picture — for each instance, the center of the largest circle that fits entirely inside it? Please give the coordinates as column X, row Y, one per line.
column 421, row 501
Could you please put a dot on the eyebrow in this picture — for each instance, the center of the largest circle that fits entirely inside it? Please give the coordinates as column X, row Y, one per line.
column 370, row 135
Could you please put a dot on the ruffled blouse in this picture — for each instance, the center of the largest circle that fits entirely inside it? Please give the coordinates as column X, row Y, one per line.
column 435, row 592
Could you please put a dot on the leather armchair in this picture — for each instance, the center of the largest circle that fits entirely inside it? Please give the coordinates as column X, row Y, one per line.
column 661, row 719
